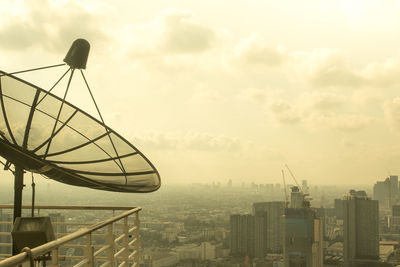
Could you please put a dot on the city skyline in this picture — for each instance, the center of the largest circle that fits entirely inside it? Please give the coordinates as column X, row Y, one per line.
column 230, row 90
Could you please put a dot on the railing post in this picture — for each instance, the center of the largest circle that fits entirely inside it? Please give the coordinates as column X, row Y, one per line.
column 88, row 254
column 125, row 243
column 137, row 236
column 54, row 258
column 111, row 243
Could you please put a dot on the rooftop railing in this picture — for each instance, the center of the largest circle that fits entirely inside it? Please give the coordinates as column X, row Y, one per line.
column 112, row 242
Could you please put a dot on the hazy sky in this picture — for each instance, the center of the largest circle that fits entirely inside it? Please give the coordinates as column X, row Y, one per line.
column 218, row 90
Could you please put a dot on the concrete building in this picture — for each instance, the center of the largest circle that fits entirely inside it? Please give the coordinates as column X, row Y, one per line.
column 5, row 228
column 58, row 223
column 387, row 192
column 274, row 224
column 296, row 198
column 303, row 241
column 361, row 229
column 260, row 234
column 338, row 209
column 242, row 234
column 396, row 210
column 208, row 251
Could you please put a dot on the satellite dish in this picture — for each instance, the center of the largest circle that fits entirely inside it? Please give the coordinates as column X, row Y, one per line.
column 43, row 133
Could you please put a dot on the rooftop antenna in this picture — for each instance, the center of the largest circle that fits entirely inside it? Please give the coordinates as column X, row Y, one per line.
column 43, row 133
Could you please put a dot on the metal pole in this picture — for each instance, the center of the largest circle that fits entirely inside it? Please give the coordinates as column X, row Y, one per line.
column 33, row 197
column 18, row 186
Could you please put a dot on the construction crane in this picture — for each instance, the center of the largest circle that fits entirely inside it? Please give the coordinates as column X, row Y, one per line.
column 286, row 194
column 294, row 178
column 306, row 198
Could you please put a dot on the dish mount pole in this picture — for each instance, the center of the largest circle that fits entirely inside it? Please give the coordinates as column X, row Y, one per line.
column 18, row 186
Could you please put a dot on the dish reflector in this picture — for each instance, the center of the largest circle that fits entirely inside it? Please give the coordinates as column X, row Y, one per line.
column 80, row 152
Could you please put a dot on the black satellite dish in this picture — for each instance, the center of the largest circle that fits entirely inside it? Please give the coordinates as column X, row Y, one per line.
column 43, row 133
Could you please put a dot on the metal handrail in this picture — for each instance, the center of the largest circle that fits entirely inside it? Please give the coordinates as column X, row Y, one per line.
column 49, row 207
column 54, row 245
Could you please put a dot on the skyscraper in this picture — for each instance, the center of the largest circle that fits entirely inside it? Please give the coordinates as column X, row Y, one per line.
column 382, row 193
column 339, row 209
column 361, row 229
column 387, row 192
column 394, row 189
column 242, row 234
column 260, row 234
column 303, row 234
column 5, row 239
column 296, row 198
column 274, row 224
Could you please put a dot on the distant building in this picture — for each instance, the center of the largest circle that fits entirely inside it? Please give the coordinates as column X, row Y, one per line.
column 394, row 188
column 396, row 210
column 339, row 209
column 274, row 224
column 208, row 251
column 58, row 223
column 260, row 234
column 303, row 241
column 296, row 198
column 361, row 229
column 5, row 227
column 304, row 186
column 242, row 234
column 387, row 192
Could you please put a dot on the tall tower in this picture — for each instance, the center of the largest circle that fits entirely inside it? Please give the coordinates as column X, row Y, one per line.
column 296, row 198
column 242, row 234
column 361, row 229
column 394, row 189
column 274, row 225
column 303, row 234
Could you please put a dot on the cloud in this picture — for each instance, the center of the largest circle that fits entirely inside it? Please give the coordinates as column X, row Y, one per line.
column 391, row 110
column 171, row 32
column 254, row 94
column 367, row 96
column 48, row 24
column 188, row 141
column 322, row 100
column 284, row 112
column 207, row 96
column 253, row 51
column 317, row 111
column 330, row 68
column 326, row 68
column 182, row 34
column 342, row 122
column 173, row 42
column 383, row 74
column 354, row 145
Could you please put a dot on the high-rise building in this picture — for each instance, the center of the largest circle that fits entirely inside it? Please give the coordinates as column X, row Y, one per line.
column 58, row 222
column 5, row 239
column 361, row 229
column 303, row 241
column 304, row 186
column 296, row 198
column 382, row 192
column 242, row 234
column 394, row 189
column 395, row 219
column 396, row 210
column 274, row 224
column 339, row 209
column 260, row 234
column 387, row 192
